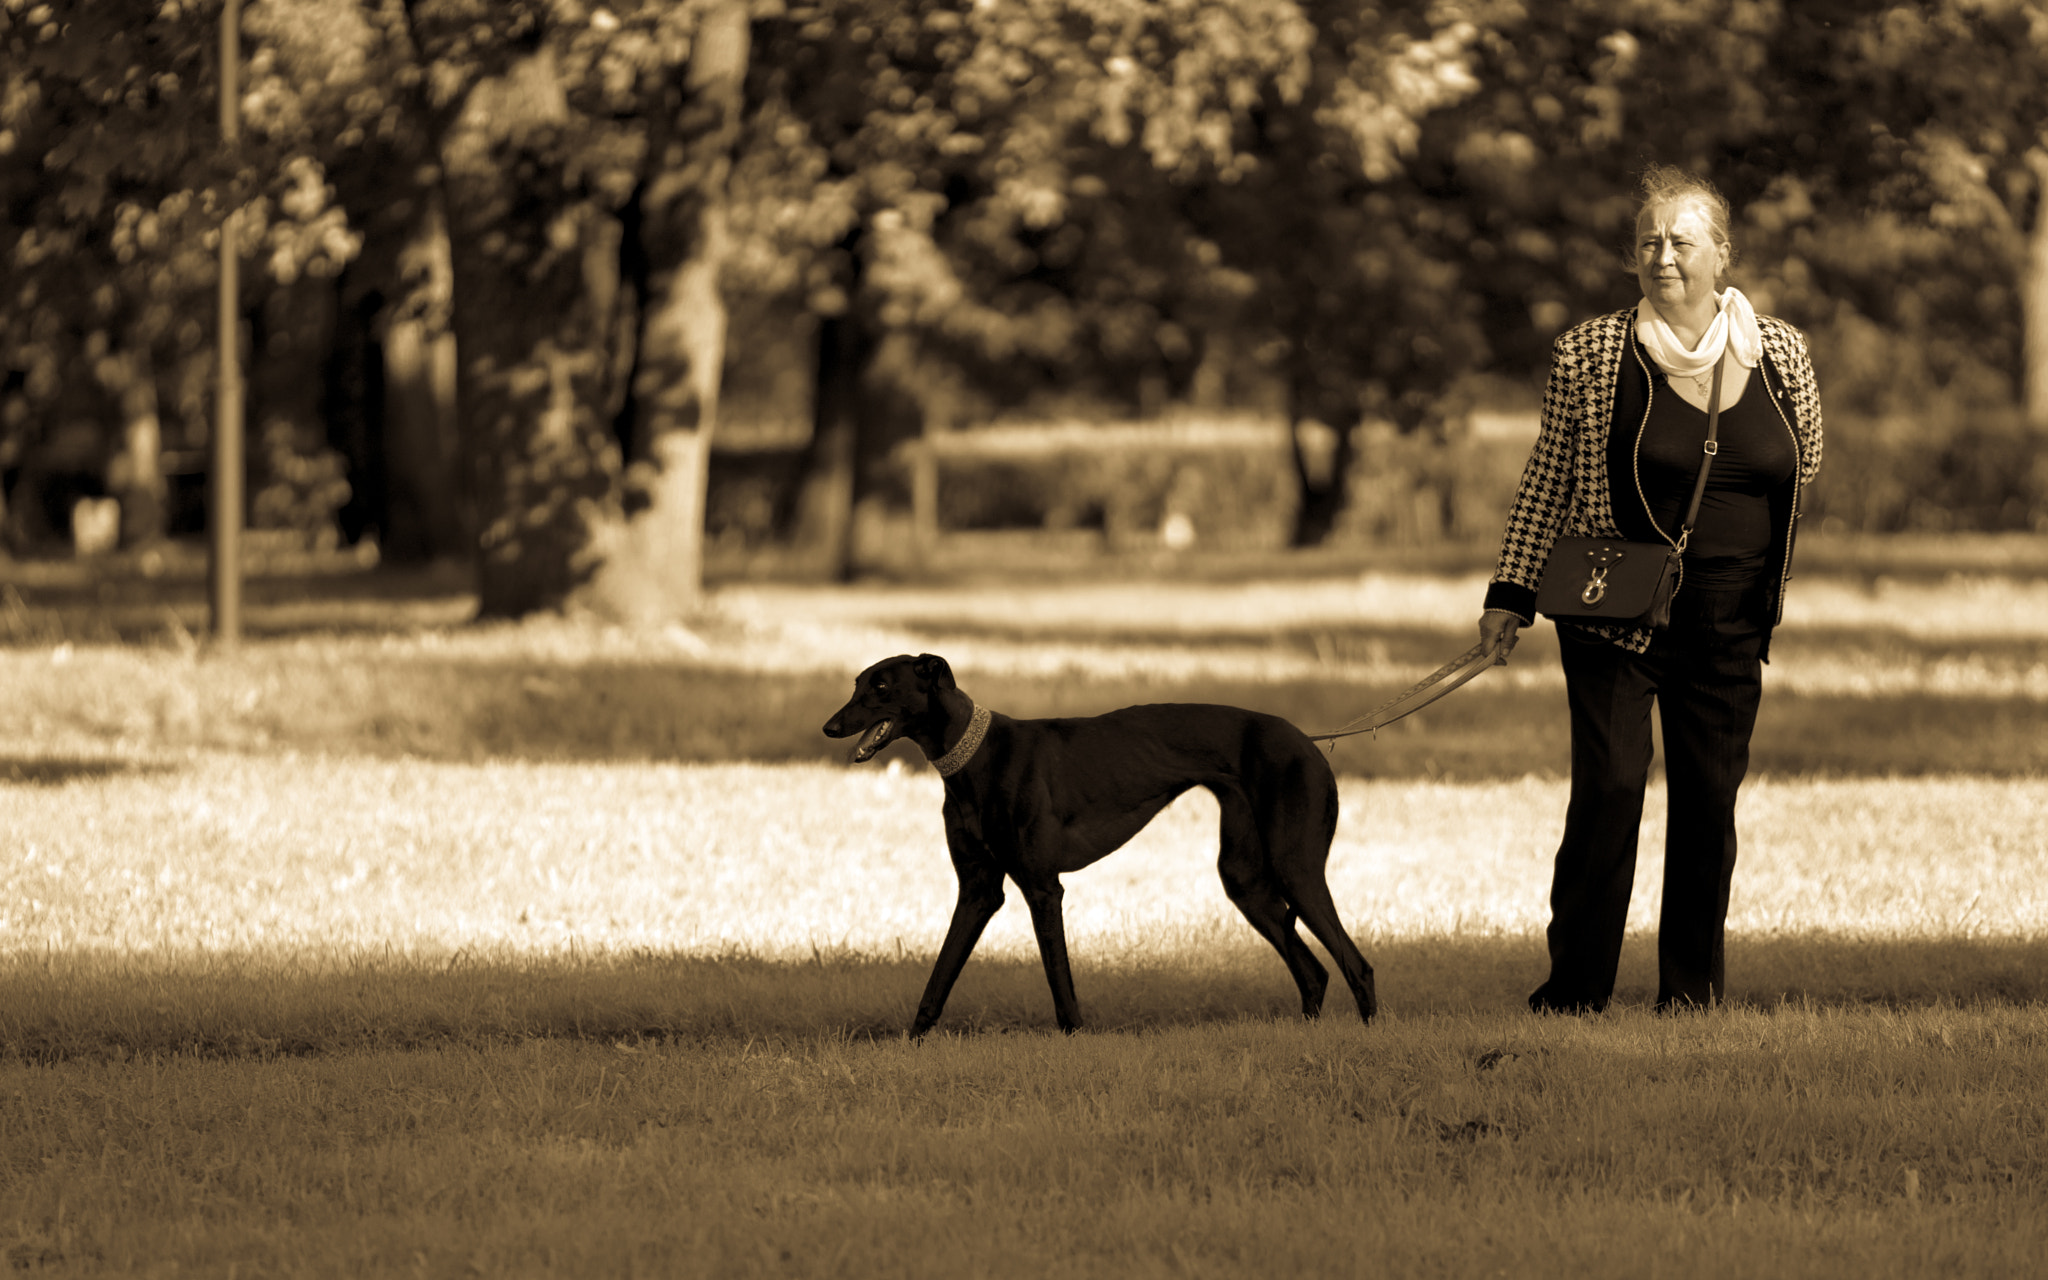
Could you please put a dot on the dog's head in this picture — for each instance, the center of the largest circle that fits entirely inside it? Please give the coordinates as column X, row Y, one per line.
column 889, row 700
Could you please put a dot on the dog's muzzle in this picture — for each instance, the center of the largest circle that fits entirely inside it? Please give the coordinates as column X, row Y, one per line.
column 876, row 737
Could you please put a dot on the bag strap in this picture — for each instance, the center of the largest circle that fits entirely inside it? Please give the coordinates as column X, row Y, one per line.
column 1713, row 446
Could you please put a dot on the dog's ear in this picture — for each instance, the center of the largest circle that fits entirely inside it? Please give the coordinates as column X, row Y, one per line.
column 932, row 669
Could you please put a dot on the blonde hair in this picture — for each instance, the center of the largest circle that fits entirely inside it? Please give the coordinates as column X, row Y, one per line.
column 1664, row 184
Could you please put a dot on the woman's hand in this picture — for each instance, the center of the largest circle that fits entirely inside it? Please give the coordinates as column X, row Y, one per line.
column 1500, row 629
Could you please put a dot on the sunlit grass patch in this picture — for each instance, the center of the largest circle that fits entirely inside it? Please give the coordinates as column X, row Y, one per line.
column 244, row 905
column 243, row 853
column 1956, row 605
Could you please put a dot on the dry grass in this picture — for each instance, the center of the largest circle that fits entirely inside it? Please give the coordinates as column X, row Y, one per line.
column 238, row 853
column 1883, row 678
column 1803, row 1142
column 334, row 1014
column 282, row 1018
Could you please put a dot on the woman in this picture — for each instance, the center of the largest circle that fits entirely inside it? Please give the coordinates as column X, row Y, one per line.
column 1624, row 421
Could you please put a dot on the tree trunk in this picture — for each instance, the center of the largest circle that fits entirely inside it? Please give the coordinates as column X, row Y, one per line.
column 535, row 343
column 820, row 522
column 1324, row 492
column 2034, row 299
column 136, row 475
column 650, row 558
column 425, row 516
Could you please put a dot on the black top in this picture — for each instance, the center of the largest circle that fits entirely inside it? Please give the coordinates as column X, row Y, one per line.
column 1598, row 394
column 1732, row 537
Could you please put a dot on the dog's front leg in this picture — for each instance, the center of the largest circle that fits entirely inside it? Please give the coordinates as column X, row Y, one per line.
column 1049, row 922
column 981, row 894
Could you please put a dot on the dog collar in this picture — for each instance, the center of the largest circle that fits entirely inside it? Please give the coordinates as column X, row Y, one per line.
column 970, row 742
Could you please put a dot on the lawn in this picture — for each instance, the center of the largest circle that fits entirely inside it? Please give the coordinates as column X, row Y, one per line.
column 1807, row 1140
column 337, row 1016
column 477, row 951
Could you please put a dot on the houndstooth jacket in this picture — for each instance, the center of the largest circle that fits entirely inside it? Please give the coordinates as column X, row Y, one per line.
column 1565, row 490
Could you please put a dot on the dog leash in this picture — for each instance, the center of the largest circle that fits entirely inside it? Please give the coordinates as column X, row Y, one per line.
column 1445, row 679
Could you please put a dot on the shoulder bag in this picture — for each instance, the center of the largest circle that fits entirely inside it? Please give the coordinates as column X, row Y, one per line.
column 1607, row 580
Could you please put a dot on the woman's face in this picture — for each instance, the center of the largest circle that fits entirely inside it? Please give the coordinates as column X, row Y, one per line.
column 1677, row 261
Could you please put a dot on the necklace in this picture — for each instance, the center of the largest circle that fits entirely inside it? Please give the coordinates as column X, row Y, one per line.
column 1704, row 381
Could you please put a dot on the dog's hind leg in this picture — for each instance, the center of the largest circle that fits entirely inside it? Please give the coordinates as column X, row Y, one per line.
column 1249, row 881
column 1300, row 825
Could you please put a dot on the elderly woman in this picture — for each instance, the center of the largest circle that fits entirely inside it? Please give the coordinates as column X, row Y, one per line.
column 1624, row 421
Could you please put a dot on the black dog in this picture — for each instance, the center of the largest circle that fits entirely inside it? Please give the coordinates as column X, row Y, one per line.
column 1030, row 799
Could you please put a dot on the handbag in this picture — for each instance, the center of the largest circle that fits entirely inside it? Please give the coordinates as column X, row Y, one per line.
column 1612, row 581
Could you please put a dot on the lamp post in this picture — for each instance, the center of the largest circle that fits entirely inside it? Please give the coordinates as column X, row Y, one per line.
column 224, row 478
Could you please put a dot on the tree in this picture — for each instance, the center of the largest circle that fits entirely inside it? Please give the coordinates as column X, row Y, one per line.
column 97, row 121
column 651, row 561
column 1354, row 286
column 347, row 86
column 109, row 241
column 1009, row 192
column 1953, row 97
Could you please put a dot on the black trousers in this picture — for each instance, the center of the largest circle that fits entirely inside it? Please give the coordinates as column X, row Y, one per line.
column 1705, row 676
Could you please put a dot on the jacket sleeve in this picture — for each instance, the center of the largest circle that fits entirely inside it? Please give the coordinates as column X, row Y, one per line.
column 1544, row 498
column 1805, row 403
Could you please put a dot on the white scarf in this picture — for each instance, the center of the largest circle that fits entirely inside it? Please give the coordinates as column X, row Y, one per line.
column 1734, row 327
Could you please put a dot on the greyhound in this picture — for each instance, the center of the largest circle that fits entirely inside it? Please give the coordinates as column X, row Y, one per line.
column 1033, row 799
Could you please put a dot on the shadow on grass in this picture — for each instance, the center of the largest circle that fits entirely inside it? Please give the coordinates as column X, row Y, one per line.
column 55, row 771
column 117, row 602
column 451, row 710
column 67, row 1006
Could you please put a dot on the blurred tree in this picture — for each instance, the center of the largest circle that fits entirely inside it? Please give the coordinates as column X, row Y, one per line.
column 1884, row 163
column 1531, row 178
column 1349, row 267
column 104, row 128
column 1089, row 195
column 674, row 243
column 531, row 185
column 114, row 204
column 1014, row 204
column 346, row 84
column 1951, row 185
column 584, row 161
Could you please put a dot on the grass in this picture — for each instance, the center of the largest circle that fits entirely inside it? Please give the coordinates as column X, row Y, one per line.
column 236, row 853
column 330, row 1016
column 82, row 1007
column 1872, row 677
column 1802, row 1140
column 1838, row 703
column 400, row 949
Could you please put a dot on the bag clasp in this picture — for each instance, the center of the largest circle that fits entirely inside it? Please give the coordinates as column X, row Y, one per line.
column 1601, row 559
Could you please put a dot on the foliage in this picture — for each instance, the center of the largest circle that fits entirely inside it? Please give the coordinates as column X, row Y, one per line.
column 1948, row 467
column 111, row 235
column 1304, row 207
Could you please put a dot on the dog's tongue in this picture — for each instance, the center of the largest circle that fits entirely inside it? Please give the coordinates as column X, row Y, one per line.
column 872, row 740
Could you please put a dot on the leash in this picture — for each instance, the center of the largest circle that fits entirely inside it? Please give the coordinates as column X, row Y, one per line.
column 1445, row 679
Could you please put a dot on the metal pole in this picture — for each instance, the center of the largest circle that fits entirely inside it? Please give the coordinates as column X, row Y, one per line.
column 224, row 505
